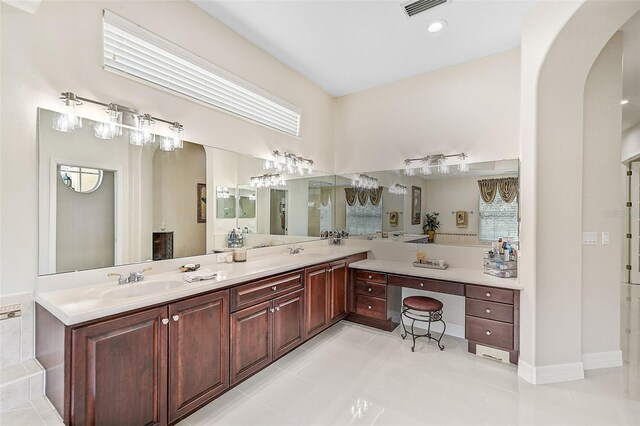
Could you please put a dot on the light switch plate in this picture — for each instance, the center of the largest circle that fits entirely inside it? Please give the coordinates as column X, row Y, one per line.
column 605, row 238
column 589, row 238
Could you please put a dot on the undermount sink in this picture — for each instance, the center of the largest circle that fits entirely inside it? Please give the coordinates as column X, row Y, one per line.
column 142, row 289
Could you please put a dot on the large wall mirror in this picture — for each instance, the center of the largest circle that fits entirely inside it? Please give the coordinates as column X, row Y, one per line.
column 397, row 209
column 107, row 202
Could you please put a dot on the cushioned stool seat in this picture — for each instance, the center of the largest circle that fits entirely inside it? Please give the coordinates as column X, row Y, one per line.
column 422, row 308
column 422, row 303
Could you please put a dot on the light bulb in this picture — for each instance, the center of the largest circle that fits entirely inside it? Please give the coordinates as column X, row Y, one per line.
column 436, row 26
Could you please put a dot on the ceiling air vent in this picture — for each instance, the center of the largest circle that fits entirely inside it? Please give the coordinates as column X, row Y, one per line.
column 416, row 7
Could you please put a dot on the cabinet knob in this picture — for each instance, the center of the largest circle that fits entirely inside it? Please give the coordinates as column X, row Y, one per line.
column 272, row 310
column 165, row 321
column 277, row 308
column 370, row 277
column 488, row 310
column 488, row 294
column 421, row 284
column 488, row 332
column 274, row 288
column 369, row 289
column 176, row 317
column 369, row 307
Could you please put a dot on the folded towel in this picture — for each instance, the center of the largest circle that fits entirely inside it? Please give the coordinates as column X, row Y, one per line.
column 202, row 274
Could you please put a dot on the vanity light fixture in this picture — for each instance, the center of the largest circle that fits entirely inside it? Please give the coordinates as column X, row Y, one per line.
column 436, row 26
column 398, row 189
column 141, row 132
column 266, row 181
column 365, row 182
column 290, row 163
column 112, row 127
column 438, row 161
column 68, row 120
column 223, row 192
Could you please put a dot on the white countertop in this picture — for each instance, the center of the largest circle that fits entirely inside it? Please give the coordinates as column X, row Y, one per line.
column 81, row 304
column 463, row 275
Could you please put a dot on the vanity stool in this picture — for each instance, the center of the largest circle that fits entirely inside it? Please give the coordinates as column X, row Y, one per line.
column 422, row 308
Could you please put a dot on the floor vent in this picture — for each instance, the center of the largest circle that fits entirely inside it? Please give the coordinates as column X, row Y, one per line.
column 419, row 6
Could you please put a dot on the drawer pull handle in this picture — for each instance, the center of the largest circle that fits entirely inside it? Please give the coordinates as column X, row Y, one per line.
column 165, row 321
column 274, row 288
column 488, row 310
column 370, row 277
column 488, row 332
column 488, row 294
column 176, row 317
column 272, row 310
column 369, row 289
column 369, row 307
column 277, row 308
column 421, row 284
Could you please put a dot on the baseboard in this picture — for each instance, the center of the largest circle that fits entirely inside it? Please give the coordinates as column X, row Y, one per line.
column 598, row 360
column 551, row 373
column 454, row 330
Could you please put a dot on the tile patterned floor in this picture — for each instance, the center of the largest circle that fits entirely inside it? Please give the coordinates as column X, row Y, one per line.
column 353, row 375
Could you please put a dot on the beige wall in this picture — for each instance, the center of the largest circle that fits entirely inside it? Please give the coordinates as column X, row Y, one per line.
column 176, row 176
column 561, row 41
column 602, row 201
column 59, row 48
column 471, row 107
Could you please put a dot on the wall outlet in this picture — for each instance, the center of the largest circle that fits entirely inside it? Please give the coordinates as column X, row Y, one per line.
column 605, row 238
column 589, row 238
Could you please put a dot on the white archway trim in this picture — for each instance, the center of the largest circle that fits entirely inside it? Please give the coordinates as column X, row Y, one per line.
column 556, row 61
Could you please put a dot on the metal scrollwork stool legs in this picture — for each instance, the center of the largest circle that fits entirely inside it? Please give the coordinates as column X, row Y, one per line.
column 418, row 308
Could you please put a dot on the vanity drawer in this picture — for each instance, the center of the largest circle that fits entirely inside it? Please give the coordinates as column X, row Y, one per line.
column 501, row 295
column 428, row 284
column 376, row 277
column 259, row 291
column 489, row 310
column 371, row 289
column 494, row 333
column 371, row 306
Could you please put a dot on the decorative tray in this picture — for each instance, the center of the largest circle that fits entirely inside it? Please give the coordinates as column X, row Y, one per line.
column 430, row 265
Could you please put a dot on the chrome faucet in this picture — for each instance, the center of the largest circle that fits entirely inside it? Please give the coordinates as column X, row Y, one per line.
column 294, row 250
column 134, row 277
column 138, row 276
column 121, row 278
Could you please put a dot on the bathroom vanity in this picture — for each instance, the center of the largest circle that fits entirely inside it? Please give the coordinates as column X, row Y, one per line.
column 155, row 363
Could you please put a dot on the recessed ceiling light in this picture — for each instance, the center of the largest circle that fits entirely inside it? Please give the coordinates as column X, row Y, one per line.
column 436, row 26
column 624, row 101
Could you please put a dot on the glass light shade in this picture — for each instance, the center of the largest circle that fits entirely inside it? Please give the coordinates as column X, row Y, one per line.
column 177, row 130
column 67, row 120
column 136, row 138
column 166, row 144
column 102, row 131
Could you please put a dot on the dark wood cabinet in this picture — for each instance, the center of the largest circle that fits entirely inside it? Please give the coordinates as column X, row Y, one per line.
column 338, row 282
column 199, row 352
column 492, row 319
column 119, row 371
column 150, row 367
column 264, row 332
column 316, row 299
column 288, row 322
column 251, row 341
column 162, row 245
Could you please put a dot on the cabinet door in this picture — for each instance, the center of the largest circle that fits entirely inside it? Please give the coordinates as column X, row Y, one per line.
column 199, row 352
column 338, row 291
column 288, row 322
column 251, row 342
column 119, row 372
column 317, row 300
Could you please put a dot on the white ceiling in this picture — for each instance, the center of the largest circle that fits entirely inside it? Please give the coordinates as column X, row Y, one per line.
column 349, row 46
